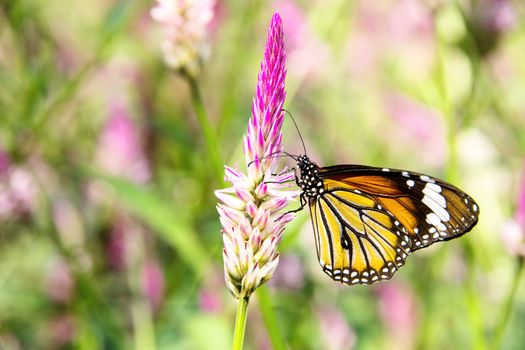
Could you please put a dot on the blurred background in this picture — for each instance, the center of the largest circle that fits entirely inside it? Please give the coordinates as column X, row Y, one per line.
column 109, row 236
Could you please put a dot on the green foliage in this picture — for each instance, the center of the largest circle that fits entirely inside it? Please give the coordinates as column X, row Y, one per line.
column 109, row 237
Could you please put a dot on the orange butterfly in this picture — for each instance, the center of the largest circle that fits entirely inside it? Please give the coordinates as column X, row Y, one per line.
column 368, row 220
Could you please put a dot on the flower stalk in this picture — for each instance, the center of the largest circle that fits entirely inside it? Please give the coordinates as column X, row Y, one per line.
column 240, row 323
column 185, row 25
column 250, row 210
column 513, row 236
column 210, row 137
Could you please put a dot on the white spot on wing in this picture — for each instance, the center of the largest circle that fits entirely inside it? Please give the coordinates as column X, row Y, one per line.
column 435, row 201
column 433, row 219
column 426, row 178
column 441, row 212
column 433, row 191
column 434, row 187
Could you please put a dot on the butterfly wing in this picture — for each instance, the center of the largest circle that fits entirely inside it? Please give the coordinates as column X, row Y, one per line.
column 357, row 241
column 369, row 219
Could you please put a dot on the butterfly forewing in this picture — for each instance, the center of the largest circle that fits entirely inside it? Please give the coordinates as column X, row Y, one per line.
column 429, row 209
column 367, row 220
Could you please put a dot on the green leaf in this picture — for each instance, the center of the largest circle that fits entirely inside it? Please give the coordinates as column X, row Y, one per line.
column 171, row 223
column 267, row 310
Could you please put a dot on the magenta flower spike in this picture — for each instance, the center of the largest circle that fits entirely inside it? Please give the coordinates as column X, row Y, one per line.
column 252, row 224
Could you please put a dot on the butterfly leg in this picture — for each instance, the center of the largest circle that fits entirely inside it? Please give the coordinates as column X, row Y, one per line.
column 281, row 173
column 285, row 171
column 303, row 204
column 278, row 182
column 302, row 197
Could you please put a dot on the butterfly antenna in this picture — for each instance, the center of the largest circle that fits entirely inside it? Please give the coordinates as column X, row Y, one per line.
column 273, row 155
column 296, row 128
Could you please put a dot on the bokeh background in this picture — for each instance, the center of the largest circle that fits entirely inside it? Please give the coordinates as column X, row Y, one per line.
column 109, row 237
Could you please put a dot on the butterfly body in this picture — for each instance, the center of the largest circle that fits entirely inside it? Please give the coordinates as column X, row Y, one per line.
column 368, row 220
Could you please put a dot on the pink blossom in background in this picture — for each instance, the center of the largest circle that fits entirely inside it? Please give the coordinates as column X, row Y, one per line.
column 296, row 25
column 513, row 233
column 220, row 14
column 58, row 282
column 252, row 224
column 4, row 163
column 125, row 244
column 10, row 341
column 338, row 334
column 211, row 291
column 496, row 14
column 62, row 330
column 185, row 24
column 289, row 273
column 399, row 312
column 418, row 125
column 210, row 301
column 400, row 29
column 153, row 283
column 520, row 207
column 119, row 150
column 489, row 20
column 410, row 20
column 513, row 237
column 116, row 245
column 305, row 51
column 18, row 189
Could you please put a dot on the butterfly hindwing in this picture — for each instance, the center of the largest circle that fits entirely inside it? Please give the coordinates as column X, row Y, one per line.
column 356, row 241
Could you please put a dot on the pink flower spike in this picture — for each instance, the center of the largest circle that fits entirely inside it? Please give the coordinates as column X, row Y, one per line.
column 243, row 194
column 232, row 214
column 119, row 151
column 153, row 283
column 260, row 195
column 251, row 209
column 233, row 175
column 261, row 190
column 264, row 220
column 229, row 200
column 185, row 25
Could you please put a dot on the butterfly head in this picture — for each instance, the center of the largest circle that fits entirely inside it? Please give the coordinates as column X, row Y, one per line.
column 310, row 180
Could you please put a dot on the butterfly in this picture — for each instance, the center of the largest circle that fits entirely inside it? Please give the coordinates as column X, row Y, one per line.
column 367, row 220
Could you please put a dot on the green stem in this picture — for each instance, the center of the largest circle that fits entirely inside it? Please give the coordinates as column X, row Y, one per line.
column 140, row 309
column 269, row 318
column 212, row 143
column 507, row 310
column 240, row 323
column 143, row 325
